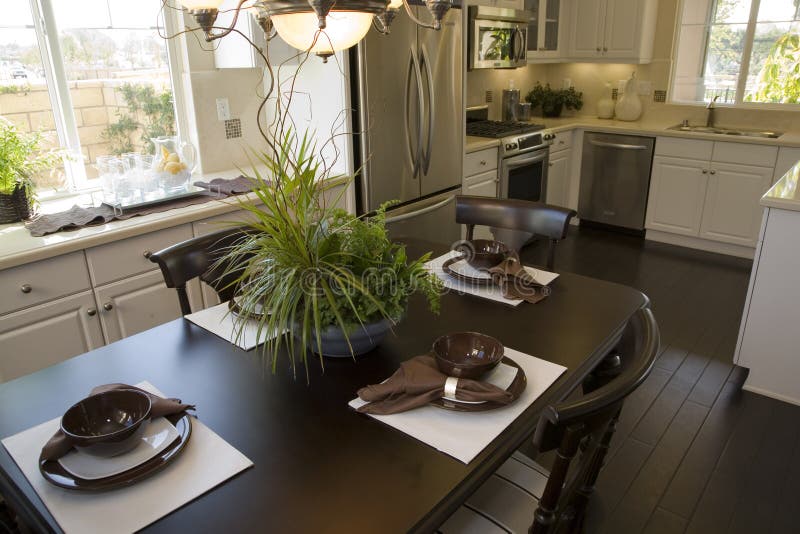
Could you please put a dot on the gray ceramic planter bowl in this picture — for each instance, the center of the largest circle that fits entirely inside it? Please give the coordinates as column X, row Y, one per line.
column 362, row 339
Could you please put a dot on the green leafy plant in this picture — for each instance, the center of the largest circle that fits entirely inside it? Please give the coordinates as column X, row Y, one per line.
column 500, row 46
column 779, row 78
column 313, row 266
column 552, row 101
column 157, row 114
column 21, row 158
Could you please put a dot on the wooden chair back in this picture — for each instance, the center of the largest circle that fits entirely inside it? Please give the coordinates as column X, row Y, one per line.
column 536, row 218
column 580, row 431
column 198, row 257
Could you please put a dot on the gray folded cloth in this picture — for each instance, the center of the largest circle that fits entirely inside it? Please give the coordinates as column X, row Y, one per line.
column 234, row 186
column 72, row 219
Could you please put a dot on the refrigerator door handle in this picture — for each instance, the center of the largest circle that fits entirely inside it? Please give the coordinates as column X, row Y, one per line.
column 421, row 211
column 414, row 149
column 430, row 109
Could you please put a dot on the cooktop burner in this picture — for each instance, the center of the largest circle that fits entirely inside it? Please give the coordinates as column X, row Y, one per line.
column 499, row 129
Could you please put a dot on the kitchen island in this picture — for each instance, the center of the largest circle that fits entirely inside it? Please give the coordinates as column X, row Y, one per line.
column 768, row 341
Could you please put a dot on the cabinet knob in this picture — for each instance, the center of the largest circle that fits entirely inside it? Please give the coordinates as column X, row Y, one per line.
column 147, row 254
column 26, row 288
column 705, row 171
column 712, row 171
column 483, row 162
column 497, row 180
column 91, row 312
column 108, row 306
column 605, row 49
column 549, row 164
column 598, row 48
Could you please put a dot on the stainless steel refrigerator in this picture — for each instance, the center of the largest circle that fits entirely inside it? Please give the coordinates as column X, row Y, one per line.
column 411, row 114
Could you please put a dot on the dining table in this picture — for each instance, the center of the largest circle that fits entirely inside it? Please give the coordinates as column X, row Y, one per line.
column 318, row 465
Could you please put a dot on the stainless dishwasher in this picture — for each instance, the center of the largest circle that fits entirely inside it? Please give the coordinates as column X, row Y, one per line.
column 615, row 179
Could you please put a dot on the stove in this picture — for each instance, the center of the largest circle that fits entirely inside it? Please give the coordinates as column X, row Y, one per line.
column 499, row 129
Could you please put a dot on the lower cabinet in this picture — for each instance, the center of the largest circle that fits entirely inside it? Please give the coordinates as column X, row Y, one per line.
column 677, row 194
column 37, row 337
column 481, row 185
column 140, row 302
column 732, row 212
column 558, row 178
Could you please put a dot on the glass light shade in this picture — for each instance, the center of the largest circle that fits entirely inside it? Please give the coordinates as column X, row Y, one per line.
column 395, row 4
column 343, row 30
column 201, row 4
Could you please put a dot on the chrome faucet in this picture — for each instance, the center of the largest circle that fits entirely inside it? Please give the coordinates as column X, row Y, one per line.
column 711, row 107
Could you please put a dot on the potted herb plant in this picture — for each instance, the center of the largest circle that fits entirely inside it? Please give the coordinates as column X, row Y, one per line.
column 21, row 158
column 334, row 281
column 553, row 101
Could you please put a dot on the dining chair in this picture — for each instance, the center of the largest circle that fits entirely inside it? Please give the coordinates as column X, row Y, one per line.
column 523, row 496
column 535, row 218
column 198, row 257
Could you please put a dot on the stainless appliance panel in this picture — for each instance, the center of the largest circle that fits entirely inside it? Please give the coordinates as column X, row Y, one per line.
column 441, row 62
column 498, row 37
column 432, row 219
column 615, row 179
column 525, row 176
column 391, row 114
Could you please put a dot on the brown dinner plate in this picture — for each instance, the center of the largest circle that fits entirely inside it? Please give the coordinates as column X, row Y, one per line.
column 516, row 388
column 55, row 473
column 472, row 280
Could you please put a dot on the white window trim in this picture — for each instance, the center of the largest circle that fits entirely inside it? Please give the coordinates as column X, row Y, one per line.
column 741, row 83
column 45, row 27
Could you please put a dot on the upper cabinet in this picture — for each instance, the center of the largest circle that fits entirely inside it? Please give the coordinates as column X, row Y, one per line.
column 546, row 30
column 612, row 30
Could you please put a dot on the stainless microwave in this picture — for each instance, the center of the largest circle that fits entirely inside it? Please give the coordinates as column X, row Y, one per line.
column 498, row 37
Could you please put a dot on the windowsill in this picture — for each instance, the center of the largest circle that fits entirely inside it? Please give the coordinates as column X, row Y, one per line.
column 745, row 106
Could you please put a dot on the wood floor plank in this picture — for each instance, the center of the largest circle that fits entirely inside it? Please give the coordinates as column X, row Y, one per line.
column 710, row 383
column 718, row 502
column 787, row 522
column 696, row 469
column 664, row 522
column 671, row 358
column 645, row 492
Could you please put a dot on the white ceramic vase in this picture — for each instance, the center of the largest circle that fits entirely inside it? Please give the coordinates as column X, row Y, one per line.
column 605, row 106
column 629, row 106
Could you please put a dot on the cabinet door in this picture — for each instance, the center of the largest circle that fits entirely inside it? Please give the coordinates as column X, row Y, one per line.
column 586, row 28
column 622, row 26
column 787, row 158
column 677, row 192
column 44, row 335
column 138, row 303
column 732, row 212
column 558, row 178
column 482, row 185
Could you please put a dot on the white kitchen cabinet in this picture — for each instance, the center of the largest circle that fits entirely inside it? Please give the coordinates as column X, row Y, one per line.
column 612, row 30
column 37, row 337
column 482, row 185
column 132, row 305
column 677, row 195
column 731, row 211
column 481, row 179
column 787, row 157
column 546, row 30
column 558, row 178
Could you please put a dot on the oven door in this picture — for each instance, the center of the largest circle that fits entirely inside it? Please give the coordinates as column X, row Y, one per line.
column 497, row 44
column 525, row 176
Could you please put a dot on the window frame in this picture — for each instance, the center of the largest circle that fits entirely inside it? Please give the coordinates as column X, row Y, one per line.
column 46, row 30
column 741, row 83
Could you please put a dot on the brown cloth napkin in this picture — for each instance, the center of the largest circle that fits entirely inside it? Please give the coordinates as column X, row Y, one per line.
column 234, row 186
column 418, row 382
column 516, row 282
column 60, row 444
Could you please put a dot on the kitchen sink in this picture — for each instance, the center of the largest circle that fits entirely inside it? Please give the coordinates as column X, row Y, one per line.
column 725, row 131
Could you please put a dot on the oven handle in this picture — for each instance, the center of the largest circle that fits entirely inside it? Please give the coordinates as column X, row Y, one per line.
column 520, row 161
column 620, row 146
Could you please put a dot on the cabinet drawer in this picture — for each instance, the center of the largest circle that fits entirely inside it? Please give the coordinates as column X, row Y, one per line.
column 480, row 161
column 743, row 154
column 684, row 148
column 38, row 282
column 563, row 141
column 121, row 259
column 220, row 222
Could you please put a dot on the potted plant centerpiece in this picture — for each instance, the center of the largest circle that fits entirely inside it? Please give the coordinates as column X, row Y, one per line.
column 334, row 281
column 553, row 101
column 21, row 158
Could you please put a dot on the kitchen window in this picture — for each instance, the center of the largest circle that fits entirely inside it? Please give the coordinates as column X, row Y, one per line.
column 738, row 51
column 93, row 76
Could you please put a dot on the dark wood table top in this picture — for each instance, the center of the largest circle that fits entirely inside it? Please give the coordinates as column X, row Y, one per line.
column 319, row 466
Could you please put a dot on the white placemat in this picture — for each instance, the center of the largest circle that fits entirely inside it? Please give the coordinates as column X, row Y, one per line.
column 488, row 292
column 207, row 461
column 463, row 435
column 220, row 321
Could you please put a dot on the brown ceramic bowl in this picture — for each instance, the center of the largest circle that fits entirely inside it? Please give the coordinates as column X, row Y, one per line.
column 484, row 253
column 467, row 354
column 108, row 423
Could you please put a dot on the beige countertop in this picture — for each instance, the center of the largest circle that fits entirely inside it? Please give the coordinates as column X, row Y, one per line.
column 785, row 194
column 647, row 127
column 18, row 246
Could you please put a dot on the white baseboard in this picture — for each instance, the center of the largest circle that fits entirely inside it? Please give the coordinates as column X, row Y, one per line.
column 701, row 244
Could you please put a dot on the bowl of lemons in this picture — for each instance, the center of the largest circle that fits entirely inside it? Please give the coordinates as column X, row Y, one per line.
column 173, row 164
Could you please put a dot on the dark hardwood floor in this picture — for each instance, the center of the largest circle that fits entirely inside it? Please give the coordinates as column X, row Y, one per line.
column 693, row 452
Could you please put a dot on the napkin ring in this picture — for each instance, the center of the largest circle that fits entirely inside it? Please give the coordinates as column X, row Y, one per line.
column 450, row 386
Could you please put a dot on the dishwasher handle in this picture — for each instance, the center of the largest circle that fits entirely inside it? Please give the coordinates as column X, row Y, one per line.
column 620, row 146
